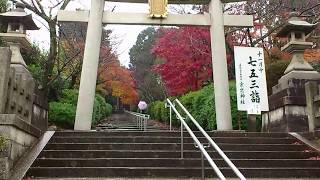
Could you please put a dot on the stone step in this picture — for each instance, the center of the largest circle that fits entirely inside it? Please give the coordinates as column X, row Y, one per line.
column 167, row 134
column 116, row 125
column 161, row 139
column 125, row 127
column 156, row 154
column 176, row 172
column 169, row 162
column 173, row 146
column 122, row 129
column 173, row 154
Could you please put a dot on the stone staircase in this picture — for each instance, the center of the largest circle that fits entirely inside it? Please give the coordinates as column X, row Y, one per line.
column 123, row 127
column 157, row 155
column 125, row 122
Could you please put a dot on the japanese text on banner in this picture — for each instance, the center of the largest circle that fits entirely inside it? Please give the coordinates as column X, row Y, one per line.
column 252, row 93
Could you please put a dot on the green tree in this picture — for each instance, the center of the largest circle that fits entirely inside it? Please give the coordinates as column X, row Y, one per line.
column 149, row 84
column 3, row 6
column 48, row 14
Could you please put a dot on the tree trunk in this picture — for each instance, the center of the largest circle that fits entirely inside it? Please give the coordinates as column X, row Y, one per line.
column 51, row 57
column 73, row 81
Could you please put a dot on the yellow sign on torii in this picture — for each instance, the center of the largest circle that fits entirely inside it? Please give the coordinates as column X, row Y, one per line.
column 158, row 8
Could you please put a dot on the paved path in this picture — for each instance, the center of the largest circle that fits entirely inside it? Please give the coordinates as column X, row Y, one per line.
column 119, row 119
column 124, row 120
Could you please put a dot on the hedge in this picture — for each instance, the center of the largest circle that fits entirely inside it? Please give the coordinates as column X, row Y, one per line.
column 202, row 107
column 62, row 113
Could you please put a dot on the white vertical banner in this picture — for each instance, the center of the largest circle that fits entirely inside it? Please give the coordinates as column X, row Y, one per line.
column 252, row 95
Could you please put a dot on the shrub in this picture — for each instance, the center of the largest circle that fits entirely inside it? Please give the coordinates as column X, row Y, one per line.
column 96, row 112
column 103, row 105
column 157, row 114
column 316, row 66
column 69, row 96
column 108, row 109
column 62, row 113
column 101, row 109
column 152, row 109
column 201, row 106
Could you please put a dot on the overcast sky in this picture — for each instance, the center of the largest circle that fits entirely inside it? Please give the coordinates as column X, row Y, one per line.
column 124, row 33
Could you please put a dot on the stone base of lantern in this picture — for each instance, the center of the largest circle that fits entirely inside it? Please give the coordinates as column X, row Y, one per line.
column 287, row 104
column 302, row 75
column 20, row 69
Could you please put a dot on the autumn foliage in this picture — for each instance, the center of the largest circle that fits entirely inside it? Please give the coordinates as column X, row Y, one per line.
column 186, row 59
column 118, row 81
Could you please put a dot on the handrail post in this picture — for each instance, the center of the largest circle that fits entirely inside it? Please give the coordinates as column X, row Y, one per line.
column 145, row 123
column 137, row 119
column 139, row 122
column 202, row 166
column 170, row 117
column 196, row 140
column 215, row 146
column 181, row 141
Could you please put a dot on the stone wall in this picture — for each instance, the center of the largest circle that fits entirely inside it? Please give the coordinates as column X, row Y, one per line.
column 23, row 112
column 40, row 110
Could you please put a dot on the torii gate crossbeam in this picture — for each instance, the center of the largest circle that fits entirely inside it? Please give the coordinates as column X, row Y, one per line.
column 97, row 17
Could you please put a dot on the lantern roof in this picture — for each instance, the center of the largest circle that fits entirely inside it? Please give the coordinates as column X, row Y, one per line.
column 18, row 15
column 296, row 23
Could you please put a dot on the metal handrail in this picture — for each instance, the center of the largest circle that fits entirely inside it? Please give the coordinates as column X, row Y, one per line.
column 214, row 145
column 142, row 119
column 196, row 140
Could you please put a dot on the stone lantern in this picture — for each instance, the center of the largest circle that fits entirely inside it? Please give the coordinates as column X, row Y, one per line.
column 287, row 104
column 296, row 30
column 17, row 22
column 158, row 8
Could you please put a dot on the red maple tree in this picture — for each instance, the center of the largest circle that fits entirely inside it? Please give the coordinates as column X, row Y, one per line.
column 186, row 58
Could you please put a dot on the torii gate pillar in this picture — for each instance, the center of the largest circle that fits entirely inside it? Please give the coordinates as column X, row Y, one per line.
column 220, row 69
column 90, row 67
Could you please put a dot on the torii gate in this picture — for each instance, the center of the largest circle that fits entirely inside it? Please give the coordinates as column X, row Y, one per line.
column 97, row 17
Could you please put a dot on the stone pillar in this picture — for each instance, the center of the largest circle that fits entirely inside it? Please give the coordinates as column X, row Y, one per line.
column 4, row 76
column 16, row 55
column 219, row 64
column 312, row 101
column 90, row 67
column 252, row 123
